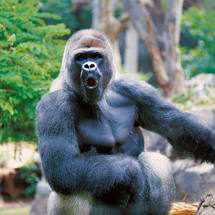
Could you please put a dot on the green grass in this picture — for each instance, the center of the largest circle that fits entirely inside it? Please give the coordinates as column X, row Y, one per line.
column 20, row 211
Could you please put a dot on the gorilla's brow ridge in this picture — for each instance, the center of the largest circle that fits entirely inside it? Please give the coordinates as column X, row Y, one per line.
column 91, row 42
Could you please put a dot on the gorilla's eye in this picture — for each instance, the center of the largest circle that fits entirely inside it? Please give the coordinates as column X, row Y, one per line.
column 96, row 55
column 80, row 57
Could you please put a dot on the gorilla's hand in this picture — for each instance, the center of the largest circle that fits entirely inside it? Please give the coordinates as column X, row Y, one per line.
column 118, row 196
column 128, row 182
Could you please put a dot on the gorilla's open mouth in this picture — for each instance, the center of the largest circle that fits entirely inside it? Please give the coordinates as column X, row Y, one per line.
column 91, row 83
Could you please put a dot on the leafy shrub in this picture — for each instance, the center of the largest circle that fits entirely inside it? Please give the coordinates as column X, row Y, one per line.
column 75, row 14
column 200, row 25
column 28, row 177
column 30, row 57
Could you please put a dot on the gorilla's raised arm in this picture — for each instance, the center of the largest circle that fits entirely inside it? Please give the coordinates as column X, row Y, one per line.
column 187, row 133
column 66, row 168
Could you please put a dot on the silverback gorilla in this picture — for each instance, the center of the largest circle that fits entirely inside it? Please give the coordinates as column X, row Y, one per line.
column 90, row 141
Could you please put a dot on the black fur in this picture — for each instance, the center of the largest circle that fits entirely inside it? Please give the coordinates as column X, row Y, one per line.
column 90, row 143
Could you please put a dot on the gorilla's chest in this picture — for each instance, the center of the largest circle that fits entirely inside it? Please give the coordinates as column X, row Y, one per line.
column 109, row 129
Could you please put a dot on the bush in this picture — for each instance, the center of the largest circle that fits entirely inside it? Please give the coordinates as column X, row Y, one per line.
column 75, row 14
column 200, row 25
column 30, row 58
column 28, row 176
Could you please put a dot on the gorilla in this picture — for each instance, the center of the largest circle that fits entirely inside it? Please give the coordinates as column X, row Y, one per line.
column 90, row 142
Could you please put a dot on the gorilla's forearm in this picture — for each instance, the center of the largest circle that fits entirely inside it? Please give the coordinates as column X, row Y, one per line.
column 187, row 133
column 192, row 136
column 68, row 172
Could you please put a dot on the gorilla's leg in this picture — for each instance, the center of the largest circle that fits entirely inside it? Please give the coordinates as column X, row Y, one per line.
column 157, row 194
column 77, row 204
column 154, row 199
column 159, row 187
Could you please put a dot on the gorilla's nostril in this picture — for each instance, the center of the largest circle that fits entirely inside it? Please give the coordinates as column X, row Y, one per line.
column 89, row 66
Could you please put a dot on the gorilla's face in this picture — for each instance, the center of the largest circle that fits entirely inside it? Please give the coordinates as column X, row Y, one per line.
column 88, row 64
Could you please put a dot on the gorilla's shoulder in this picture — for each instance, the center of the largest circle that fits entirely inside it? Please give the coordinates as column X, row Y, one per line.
column 128, row 81
column 130, row 85
column 56, row 99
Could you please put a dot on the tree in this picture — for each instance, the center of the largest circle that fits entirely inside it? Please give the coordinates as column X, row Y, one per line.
column 105, row 21
column 131, row 50
column 199, row 25
column 206, row 205
column 165, row 59
column 30, row 57
column 75, row 14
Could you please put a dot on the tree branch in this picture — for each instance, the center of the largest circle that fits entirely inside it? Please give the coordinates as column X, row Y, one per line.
column 144, row 25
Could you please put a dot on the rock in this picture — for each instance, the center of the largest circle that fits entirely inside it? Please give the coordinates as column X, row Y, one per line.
column 201, row 79
column 7, row 177
column 156, row 143
column 39, row 206
column 206, row 113
column 192, row 180
column 207, row 203
column 181, row 165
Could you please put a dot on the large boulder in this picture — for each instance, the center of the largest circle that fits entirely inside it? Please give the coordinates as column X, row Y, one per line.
column 201, row 79
column 206, row 113
column 192, row 180
column 156, row 143
column 39, row 206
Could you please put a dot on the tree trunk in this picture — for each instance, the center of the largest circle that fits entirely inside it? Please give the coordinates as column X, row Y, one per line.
column 171, row 37
column 104, row 20
column 170, row 79
column 131, row 50
column 207, row 203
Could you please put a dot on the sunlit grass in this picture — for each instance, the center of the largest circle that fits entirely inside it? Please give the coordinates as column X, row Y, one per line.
column 19, row 211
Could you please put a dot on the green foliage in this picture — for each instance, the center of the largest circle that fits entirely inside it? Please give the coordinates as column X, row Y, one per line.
column 74, row 15
column 144, row 76
column 164, row 5
column 140, row 75
column 200, row 25
column 29, row 174
column 119, row 10
column 30, row 57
